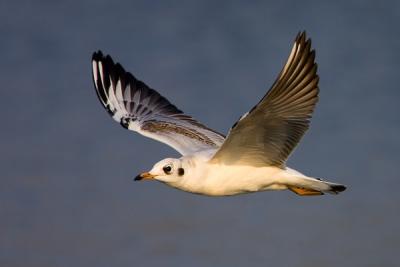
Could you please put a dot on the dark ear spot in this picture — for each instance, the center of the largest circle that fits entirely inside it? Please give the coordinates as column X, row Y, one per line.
column 181, row 171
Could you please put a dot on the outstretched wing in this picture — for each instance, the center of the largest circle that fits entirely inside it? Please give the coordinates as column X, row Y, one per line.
column 268, row 133
column 139, row 108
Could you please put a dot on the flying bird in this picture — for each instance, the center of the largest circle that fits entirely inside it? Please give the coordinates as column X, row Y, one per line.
column 250, row 158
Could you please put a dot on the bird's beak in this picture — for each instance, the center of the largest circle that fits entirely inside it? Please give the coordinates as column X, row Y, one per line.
column 144, row 175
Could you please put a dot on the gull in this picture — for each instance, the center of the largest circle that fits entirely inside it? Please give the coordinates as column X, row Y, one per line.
column 251, row 158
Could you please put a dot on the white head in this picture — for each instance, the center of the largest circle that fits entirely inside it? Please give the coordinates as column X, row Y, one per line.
column 167, row 170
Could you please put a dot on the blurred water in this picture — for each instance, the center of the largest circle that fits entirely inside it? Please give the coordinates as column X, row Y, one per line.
column 66, row 195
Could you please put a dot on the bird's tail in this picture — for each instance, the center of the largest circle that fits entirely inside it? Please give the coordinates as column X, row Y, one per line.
column 307, row 186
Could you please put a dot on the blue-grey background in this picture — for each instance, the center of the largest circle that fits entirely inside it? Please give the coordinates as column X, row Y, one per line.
column 66, row 191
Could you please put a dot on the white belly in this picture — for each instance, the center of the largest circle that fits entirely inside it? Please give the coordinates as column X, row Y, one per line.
column 223, row 180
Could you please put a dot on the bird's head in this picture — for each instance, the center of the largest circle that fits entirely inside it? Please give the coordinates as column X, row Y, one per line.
column 167, row 170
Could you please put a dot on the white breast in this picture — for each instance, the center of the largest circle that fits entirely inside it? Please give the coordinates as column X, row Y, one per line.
column 220, row 180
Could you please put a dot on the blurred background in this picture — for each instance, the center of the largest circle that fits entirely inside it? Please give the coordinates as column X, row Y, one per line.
column 66, row 192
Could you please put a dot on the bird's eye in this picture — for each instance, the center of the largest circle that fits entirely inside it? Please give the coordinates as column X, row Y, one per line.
column 167, row 169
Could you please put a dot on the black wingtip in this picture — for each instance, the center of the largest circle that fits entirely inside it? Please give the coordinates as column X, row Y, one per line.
column 302, row 33
column 301, row 37
column 97, row 55
column 106, row 59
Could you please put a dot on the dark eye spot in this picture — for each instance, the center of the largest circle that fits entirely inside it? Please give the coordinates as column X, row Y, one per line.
column 167, row 169
column 181, row 171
